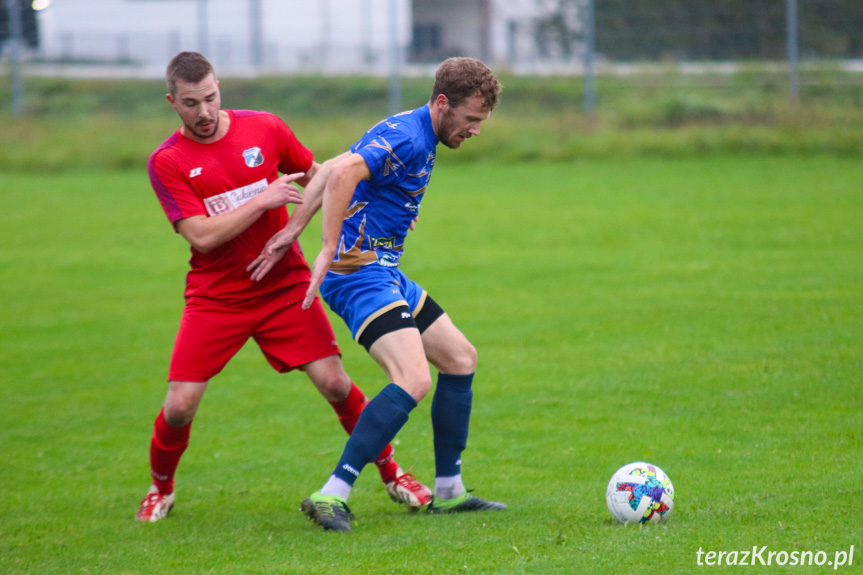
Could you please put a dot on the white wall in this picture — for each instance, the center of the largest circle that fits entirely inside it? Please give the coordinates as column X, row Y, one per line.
column 298, row 35
column 306, row 36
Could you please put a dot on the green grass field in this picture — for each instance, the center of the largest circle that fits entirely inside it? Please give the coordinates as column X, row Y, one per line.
column 703, row 314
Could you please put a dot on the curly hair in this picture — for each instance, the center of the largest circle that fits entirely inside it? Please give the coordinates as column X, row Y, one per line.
column 460, row 78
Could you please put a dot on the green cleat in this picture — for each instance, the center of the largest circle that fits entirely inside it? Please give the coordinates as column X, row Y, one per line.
column 329, row 511
column 464, row 503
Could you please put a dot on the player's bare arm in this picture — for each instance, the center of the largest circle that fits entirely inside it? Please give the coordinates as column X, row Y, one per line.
column 343, row 179
column 316, row 181
column 313, row 196
column 206, row 233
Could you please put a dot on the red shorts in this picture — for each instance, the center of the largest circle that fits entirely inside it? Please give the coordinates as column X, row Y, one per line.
column 212, row 333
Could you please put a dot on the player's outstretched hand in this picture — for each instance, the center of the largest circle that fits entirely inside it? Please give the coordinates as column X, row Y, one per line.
column 277, row 194
column 282, row 192
column 319, row 271
column 273, row 251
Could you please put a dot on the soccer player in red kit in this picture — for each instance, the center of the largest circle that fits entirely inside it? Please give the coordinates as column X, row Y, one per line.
column 217, row 178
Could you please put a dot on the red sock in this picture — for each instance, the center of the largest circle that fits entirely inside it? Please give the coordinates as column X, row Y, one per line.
column 166, row 448
column 349, row 412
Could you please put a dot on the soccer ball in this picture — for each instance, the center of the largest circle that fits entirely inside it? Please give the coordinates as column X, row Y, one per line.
column 640, row 493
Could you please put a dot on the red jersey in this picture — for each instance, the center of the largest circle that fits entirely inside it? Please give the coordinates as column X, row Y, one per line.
column 192, row 179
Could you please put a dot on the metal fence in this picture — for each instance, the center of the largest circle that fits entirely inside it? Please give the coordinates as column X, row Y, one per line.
column 526, row 35
column 584, row 37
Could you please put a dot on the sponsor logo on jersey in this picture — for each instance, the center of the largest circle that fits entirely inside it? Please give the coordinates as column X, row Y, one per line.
column 217, row 205
column 195, row 172
column 230, row 201
column 253, row 157
column 383, row 242
column 388, row 259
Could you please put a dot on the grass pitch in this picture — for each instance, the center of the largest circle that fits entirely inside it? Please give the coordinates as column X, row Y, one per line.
column 700, row 314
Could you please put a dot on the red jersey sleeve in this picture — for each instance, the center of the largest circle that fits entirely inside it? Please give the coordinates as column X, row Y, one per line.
column 295, row 156
column 178, row 200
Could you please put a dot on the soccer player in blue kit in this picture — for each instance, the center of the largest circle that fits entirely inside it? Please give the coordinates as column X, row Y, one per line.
column 371, row 199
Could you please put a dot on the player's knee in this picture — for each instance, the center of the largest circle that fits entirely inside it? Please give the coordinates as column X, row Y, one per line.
column 335, row 386
column 423, row 386
column 470, row 357
column 417, row 384
column 182, row 402
column 179, row 412
column 329, row 378
column 462, row 360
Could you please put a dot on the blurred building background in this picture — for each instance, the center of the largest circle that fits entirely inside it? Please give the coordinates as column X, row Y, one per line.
column 368, row 36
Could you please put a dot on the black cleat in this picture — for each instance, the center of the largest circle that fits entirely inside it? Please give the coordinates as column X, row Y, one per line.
column 464, row 503
column 329, row 511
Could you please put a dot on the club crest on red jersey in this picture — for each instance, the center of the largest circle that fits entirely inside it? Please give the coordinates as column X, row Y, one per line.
column 253, row 157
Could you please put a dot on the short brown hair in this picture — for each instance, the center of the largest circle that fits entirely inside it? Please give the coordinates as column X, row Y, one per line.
column 460, row 78
column 189, row 67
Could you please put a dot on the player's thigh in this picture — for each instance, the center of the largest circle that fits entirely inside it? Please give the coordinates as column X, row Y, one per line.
column 208, row 337
column 291, row 337
column 447, row 348
column 401, row 355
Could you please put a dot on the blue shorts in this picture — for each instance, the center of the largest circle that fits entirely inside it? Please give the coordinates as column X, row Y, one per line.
column 363, row 296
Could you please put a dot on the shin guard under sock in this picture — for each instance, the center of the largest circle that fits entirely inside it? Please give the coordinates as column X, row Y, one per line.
column 450, row 414
column 166, row 448
column 349, row 411
column 380, row 421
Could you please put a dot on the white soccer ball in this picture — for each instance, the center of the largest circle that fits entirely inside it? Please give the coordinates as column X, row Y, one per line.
column 640, row 493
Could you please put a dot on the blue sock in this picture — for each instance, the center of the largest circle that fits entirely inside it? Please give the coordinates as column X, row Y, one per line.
column 450, row 414
column 379, row 422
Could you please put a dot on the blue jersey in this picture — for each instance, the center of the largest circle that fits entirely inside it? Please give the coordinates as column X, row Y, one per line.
column 400, row 154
